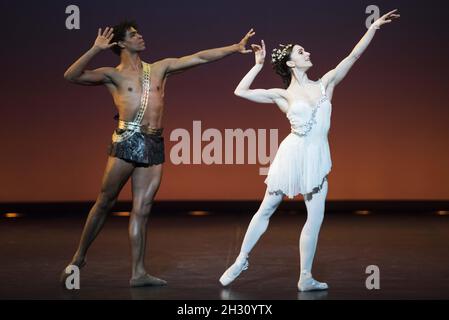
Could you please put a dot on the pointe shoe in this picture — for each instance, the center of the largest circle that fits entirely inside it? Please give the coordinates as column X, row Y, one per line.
column 233, row 272
column 146, row 281
column 310, row 284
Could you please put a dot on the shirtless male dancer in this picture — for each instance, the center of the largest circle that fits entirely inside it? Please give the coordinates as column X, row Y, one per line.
column 137, row 147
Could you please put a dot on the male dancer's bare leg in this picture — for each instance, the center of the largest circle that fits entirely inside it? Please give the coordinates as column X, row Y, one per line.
column 145, row 184
column 115, row 176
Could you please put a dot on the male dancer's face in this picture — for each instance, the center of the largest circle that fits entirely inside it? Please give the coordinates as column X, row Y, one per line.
column 300, row 57
column 133, row 41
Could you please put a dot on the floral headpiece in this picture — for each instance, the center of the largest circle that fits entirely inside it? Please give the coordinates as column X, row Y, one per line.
column 279, row 53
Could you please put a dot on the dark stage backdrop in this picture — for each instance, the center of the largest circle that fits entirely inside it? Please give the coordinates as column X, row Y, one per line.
column 389, row 132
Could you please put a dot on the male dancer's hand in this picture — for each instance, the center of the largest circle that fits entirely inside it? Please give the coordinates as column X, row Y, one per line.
column 103, row 39
column 386, row 18
column 259, row 52
column 244, row 41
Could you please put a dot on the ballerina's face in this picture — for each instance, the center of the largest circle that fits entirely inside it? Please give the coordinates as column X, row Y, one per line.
column 299, row 58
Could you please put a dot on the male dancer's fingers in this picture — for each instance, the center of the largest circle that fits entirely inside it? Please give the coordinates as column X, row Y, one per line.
column 247, row 51
column 99, row 31
column 110, row 32
column 110, row 37
column 112, row 44
column 263, row 45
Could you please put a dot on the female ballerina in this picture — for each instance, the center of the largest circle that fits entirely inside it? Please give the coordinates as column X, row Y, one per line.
column 302, row 162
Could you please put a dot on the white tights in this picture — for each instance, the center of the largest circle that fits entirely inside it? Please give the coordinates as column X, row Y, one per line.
column 309, row 234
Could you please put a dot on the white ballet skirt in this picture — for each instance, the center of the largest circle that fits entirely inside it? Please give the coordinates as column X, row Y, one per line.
column 303, row 160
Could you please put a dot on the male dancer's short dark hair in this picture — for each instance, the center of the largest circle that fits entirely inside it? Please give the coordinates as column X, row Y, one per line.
column 120, row 33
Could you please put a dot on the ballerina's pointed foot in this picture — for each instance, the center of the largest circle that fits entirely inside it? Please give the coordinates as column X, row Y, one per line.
column 147, row 281
column 310, row 284
column 234, row 271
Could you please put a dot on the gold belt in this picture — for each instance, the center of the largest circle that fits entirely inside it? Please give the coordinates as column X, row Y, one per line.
column 137, row 127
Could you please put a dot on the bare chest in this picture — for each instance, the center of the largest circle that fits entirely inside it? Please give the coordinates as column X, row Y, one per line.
column 129, row 88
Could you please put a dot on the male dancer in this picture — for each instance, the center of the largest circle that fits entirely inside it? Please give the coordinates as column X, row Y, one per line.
column 137, row 148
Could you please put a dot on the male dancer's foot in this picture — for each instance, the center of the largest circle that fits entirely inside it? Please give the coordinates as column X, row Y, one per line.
column 240, row 264
column 146, row 280
column 307, row 283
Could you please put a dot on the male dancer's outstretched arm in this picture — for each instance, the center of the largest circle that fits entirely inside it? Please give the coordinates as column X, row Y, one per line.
column 334, row 76
column 175, row 65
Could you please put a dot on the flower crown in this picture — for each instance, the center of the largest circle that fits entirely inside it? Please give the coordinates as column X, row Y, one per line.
column 279, row 53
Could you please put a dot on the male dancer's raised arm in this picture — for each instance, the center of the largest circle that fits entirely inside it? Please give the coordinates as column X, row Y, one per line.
column 77, row 72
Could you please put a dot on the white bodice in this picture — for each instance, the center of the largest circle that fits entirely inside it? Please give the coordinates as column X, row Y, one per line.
column 309, row 121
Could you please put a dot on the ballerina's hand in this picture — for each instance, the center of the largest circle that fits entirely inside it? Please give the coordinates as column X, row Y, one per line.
column 386, row 18
column 259, row 52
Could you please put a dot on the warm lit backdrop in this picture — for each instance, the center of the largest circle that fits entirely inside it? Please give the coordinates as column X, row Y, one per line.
column 389, row 132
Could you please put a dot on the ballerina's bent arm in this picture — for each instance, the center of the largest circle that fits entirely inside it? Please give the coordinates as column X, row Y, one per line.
column 260, row 95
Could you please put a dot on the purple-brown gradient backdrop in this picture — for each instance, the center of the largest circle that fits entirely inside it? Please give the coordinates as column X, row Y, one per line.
column 389, row 132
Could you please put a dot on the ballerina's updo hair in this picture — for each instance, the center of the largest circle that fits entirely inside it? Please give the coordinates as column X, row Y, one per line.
column 279, row 58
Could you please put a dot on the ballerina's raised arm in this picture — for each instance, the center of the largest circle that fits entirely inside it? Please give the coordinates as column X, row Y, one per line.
column 243, row 90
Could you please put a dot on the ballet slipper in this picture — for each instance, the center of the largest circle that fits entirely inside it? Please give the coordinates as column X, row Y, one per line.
column 310, row 284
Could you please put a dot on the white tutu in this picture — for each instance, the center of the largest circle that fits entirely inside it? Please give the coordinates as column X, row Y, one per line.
column 299, row 166
column 303, row 160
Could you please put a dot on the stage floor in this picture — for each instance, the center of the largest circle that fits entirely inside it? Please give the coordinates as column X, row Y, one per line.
column 192, row 251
